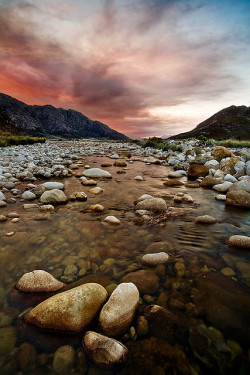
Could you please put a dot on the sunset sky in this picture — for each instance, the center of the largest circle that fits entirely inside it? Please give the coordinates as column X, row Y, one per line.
column 143, row 67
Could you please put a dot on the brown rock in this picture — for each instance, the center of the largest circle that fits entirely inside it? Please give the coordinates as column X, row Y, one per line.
column 197, row 170
column 146, row 281
column 238, row 198
column 120, row 163
column 210, row 181
column 38, row 281
column 239, row 241
column 173, row 183
column 220, row 152
column 155, row 259
column 205, row 219
column 227, row 165
column 162, row 322
column 152, row 204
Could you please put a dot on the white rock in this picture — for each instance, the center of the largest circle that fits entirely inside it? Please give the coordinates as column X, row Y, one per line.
column 152, row 204
column 150, row 160
column 155, row 259
column 97, row 173
column 222, row 188
column 53, row 185
column 53, row 196
column 2, row 196
column 112, row 220
column 138, row 178
column 241, row 185
column 212, row 164
column 38, row 281
column 28, row 196
column 230, row 178
column 144, row 196
column 220, row 197
column 96, row 190
column 219, row 174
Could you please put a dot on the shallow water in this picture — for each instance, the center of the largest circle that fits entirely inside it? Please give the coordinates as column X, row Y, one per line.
column 73, row 236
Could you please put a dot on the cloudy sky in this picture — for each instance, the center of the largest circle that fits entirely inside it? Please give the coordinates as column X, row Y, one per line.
column 143, row 67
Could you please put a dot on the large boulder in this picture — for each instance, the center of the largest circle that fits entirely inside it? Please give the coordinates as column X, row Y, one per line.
column 71, row 310
column 238, row 198
column 146, row 281
column 104, row 351
column 54, row 196
column 210, row 181
column 38, row 281
column 96, row 173
column 241, row 185
column 118, row 313
column 152, row 204
column 197, row 170
column 220, row 152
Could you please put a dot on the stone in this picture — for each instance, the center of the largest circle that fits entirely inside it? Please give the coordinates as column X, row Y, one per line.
column 96, row 190
column 112, row 220
column 89, row 183
column 155, row 259
column 197, row 170
column 30, row 206
column 238, row 198
column 180, row 269
column 220, row 152
column 146, row 281
column 71, row 310
column 3, row 218
column 51, row 185
column 205, row 219
column 138, row 178
column 143, row 197
column 212, row 164
column 96, row 173
column 162, row 322
column 221, row 197
column 12, row 215
column 3, row 204
column 64, row 360
column 210, row 181
column 28, row 196
column 70, row 270
column 171, row 183
column 80, row 196
column 104, row 351
column 54, row 196
column 26, row 357
column 120, row 163
column 38, row 281
column 47, row 207
column 230, row 178
column 152, row 204
column 222, row 188
column 227, row 165
column 2, row 196
column 142, row 327
column 96, row 208
column 239, row 241
column 227, row 271
column 117, row 314
column 241, row 185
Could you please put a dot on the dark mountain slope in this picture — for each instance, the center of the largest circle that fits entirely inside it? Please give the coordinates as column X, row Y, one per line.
column 7, row 126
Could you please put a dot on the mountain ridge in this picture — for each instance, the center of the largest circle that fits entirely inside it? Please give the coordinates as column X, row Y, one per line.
column 47, row 120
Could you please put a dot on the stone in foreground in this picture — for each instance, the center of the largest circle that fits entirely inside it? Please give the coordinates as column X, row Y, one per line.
column 152, row 204
column 112, row 220
column 53, row 196
column 117, row 314
column 238, row 198
column 96, row 173
column 38, row 281
column 205, row 219
column 104, row 351
column 239, row 241
column 155, row 259
column 71, row 310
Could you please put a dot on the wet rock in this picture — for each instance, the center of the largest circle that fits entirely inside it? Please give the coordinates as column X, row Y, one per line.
column 3, row 204
column 239, row 241
column 173, row 183
column 143, row 197
column 3, row 218
column 220, row 197
column 205, row 219
column 227, row 271
column 118, row 313
column 142, row 326
column 38, row 281
column 30, row 206
column 241, row 185
column 51, row 185
column 152, row 204
column 79, row 196
column 28, row 196
column 41, row 217
column 104, row 351
column 64, row 360
column 71, row 310
column 54, row 196
column 70, row 270
column 26, row 357
column 197, row 170
column 162, row 322
column 13, row 215
column 155, row 259
column 120, row 163
column 238, row 198
column 180, row 269
column 112, row 220
column 222, row 188
column 146, row 281
column 220, row 152
column 2, row 196
column 96, row 190
column 97, row 173
column 96, row 208
column 89, row 183
column 47, row 207
column 243, row 268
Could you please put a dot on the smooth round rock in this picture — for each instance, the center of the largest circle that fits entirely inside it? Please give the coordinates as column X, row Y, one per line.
column 104, row 351
column 3, row 218
column 120, row 163
column 205, row 219
column 112, row 220
column 38, row 281
column 28, row 196
column 155, row 259
column 71, row 310
column 3, row 204
column 96, row 208
column 50, row 185
column 117, row 314
column 96, row 190
column 239, row 241
column 96, row 173
column 64, row 360
column 146, row 281
column 152, row 204
column 53, row 196
column 238, row 198
column 2, row 196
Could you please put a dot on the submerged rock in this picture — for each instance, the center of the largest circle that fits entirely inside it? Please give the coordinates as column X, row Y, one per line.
column 205, row 219
column 152, row 204
column 155, row 259
column 64, row 360
column 71, row 310
column 38, row 281
column 239, row 241
column 104, row 351
column 117, row 314
column 238, row 198
column 146, row 281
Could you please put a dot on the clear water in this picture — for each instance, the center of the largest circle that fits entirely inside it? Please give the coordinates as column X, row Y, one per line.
column 73, row 236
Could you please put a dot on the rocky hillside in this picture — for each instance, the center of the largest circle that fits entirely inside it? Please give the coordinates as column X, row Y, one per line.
column 7, row 126
column 50, row 121
column 229, row 123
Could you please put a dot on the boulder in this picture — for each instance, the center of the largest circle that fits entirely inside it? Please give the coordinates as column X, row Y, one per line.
column 38, row 281
column 210, row 181
column 28, row 196
column 104, row 351
column 220, row 152
column 238, row 198
column 205, row 219
column 54, row 196
column 241, row 185
column 72, row 310
column 227, row 165
column 239, row 241
column 146, row 281
column 222, row 188
column 117, row 314
column 50, row 185
column 155, row 259
column 197, row 170
column 96, row 173
column 152, row 204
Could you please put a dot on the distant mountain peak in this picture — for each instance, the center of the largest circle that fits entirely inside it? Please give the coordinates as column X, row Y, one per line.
column 47, row 120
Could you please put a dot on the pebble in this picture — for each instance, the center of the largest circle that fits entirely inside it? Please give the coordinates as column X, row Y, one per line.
column 205, row 219
column 96, row 208
column 3, row 204
column 3, row 218
column 96, row 190
column 138, row 178
column 155, row 259
column 227, row 271
column 112, row 220
column 64, row 360
column 28, row 196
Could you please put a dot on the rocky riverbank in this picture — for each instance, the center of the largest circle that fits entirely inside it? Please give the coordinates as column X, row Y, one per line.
column 146, row 253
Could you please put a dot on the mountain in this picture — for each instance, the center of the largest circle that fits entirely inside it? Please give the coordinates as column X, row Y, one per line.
column 7, row 127
column 47, row 120
column 229, row 123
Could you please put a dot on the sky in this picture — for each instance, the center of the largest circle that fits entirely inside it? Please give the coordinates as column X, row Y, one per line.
column 143, row 67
